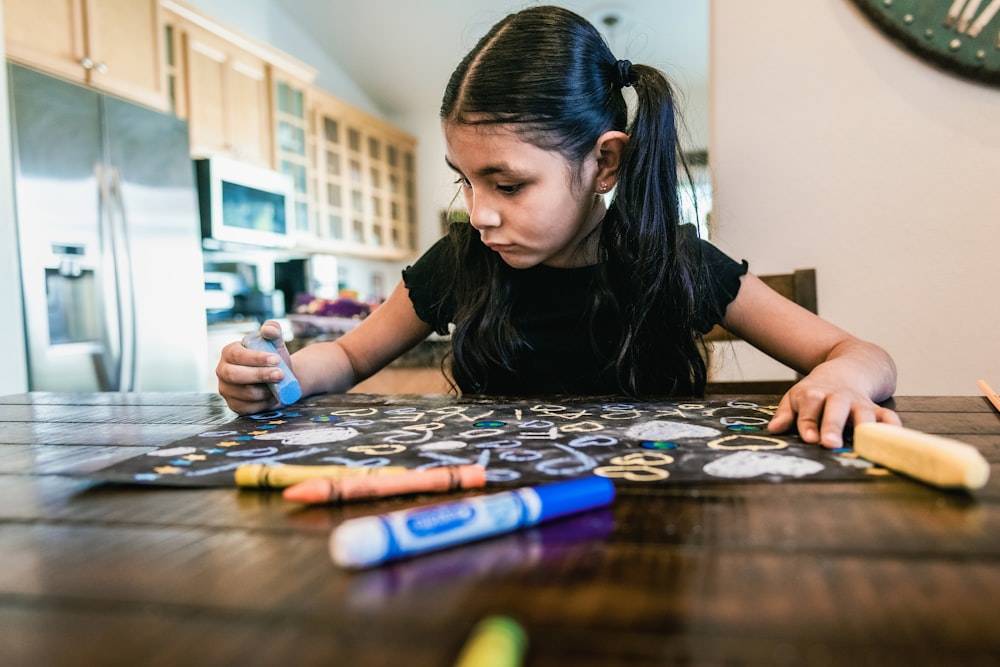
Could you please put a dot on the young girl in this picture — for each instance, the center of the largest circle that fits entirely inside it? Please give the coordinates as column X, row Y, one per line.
column 547, row 291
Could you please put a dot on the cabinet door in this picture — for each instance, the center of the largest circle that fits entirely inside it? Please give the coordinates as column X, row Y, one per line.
column 47, row 34
column 294, row 147
column 114, row 45
column 248, row 109
column 125, row 45
column 227, row 99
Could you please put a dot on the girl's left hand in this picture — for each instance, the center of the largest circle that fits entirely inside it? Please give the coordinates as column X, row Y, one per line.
column 821, row 411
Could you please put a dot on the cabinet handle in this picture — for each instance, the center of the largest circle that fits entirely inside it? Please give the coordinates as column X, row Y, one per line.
column 88, row 63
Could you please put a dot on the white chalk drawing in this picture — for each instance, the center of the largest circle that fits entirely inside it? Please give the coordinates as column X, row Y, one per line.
column 173, row 451
column 853, row 462
column 310, row 436
column 443, row 445
column 666, row 430
column 747, row 464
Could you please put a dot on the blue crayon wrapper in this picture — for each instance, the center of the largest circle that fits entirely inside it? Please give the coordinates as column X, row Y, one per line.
column 287, row 391
column 372, row 540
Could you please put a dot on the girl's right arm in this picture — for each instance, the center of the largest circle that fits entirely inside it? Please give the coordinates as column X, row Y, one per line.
column 335, row 366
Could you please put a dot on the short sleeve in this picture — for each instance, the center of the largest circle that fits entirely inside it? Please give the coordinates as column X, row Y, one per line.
column 427, row 281
column 722, row 280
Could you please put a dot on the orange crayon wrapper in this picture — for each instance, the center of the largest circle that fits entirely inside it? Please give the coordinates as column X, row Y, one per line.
column 346, row 489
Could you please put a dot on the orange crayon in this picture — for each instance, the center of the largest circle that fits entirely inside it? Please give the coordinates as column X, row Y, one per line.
column 344, row 489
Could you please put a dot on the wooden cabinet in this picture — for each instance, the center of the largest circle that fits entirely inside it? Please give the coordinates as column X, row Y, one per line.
column 366, row 183
column 114, row 45
column 294, row 145
column 226, row 92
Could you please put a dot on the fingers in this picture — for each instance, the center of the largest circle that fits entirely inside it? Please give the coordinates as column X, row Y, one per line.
column 243, row 376
column 822, row 416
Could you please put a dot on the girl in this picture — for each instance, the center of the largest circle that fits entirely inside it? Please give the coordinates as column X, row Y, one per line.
column 548, row 291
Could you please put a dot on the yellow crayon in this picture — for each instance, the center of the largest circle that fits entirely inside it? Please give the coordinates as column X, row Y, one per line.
column 496, row 641
column 281, row 476
column 441, row 480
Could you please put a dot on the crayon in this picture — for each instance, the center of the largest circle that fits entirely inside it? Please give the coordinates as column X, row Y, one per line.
column 931, row 459
column 287, row 390
column 370, row 540
column 496, row 641
column 281, row 476
column 344, row 489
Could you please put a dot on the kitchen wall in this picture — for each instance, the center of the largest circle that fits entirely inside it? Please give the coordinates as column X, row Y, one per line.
column 14, row 373
column 833, row 148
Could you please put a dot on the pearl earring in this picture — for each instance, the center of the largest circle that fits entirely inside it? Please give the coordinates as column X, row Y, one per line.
column 604, row 186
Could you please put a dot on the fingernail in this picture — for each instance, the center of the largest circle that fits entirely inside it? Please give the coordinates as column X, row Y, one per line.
column 275, row 376
column 273, row 360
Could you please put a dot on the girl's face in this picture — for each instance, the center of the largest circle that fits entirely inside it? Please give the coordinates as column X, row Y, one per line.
column 524, row 200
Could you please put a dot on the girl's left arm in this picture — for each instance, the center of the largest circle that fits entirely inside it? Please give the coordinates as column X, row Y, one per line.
column 844, row 375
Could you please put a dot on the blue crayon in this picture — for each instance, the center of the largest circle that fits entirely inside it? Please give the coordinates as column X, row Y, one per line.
column 287, row 391
column 371, row 540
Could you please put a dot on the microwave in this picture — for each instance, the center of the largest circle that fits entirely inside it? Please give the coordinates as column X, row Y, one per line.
column 244, row 203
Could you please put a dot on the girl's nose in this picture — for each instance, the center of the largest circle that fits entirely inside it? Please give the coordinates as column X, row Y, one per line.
column 481, row 215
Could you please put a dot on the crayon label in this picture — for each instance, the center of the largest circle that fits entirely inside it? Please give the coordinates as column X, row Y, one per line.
column 470, row 519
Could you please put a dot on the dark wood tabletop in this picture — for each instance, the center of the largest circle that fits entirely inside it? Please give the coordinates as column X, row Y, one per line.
column 881, row 572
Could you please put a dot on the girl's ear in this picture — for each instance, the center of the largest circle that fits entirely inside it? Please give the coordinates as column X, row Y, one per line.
column 610, row 147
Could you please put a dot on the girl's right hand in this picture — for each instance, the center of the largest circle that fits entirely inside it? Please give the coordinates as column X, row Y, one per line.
column 244, row 373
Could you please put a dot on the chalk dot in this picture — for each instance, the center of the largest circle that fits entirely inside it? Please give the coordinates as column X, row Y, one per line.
column 489, row 424
column 658, row 444
column 443, row 445
column 326, row 418
column 743, row 428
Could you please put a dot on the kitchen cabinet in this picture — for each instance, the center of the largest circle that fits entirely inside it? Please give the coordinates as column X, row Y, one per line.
column 113, row 45
column 227, row 95
column 294, row 145
column 366, row 182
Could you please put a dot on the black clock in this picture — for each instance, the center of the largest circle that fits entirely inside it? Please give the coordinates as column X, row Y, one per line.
column 960, row 36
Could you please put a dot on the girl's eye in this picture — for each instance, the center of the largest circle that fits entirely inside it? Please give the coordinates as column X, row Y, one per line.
column 464, row 182
column 509, row 189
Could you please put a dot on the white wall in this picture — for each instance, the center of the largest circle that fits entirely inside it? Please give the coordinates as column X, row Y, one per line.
column 14, row 376
column 833, row 148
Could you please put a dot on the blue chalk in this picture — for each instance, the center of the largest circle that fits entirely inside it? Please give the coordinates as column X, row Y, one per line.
column 287, row 391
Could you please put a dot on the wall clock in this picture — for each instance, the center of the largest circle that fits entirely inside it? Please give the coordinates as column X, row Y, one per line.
column 960, row 36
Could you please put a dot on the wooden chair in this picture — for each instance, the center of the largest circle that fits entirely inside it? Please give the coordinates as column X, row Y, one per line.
column 800, row 287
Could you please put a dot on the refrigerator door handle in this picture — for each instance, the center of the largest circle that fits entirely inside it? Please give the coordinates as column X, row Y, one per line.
column 126, row 286
column 107, row 359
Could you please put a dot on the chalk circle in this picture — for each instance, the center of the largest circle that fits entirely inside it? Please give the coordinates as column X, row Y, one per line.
column 747, row 464
column 758, row 442
column 668, row 430
column 502, row 475
column 310, row 436
column 443, row 445
column 217, row 434
column 632, row 473
column 642, row 459
column 172, row 452
column 519, row 455
column 377, row 450
column 260, row 416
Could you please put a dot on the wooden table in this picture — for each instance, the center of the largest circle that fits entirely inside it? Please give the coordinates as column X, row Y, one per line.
column 886, row 572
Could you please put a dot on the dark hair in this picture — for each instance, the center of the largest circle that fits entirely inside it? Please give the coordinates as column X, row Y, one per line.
column 548, row 74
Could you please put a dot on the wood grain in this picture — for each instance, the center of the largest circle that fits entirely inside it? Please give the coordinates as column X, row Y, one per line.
column 887, row 572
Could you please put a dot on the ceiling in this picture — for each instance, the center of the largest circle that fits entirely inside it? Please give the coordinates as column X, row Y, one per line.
column 401, row 53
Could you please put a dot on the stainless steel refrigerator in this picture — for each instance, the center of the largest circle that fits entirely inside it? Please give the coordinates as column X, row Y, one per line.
column 110, row 241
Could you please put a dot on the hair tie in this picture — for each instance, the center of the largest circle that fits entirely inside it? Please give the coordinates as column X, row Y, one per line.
column 623, row 74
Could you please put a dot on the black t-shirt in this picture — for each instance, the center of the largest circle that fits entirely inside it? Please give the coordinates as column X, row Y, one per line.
column 550, row 310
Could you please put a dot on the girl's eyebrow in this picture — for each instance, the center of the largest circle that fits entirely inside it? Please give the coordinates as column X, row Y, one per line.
column 488, row 170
